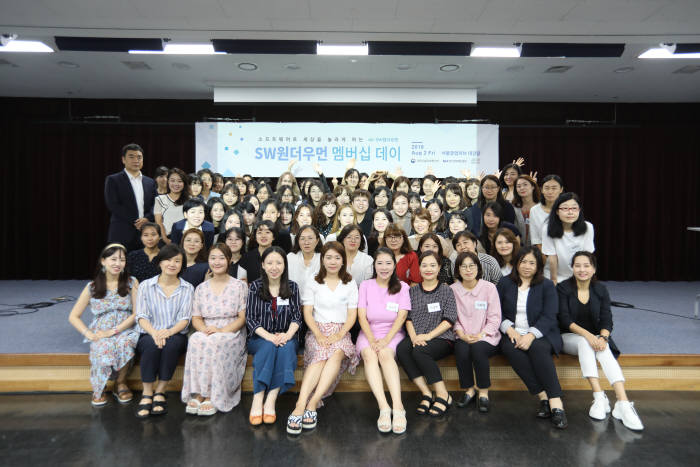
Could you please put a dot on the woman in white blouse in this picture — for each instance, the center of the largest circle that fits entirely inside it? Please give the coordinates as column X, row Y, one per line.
column 359, row 264
column 167, row 208
column 305, row 258
column 330, row 309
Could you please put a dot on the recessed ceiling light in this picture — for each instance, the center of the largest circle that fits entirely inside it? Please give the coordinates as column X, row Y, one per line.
column 136, row 65
column 292, row 66
column 450, row 67
column 181, row 66
column 558, row 69
column 68, row 65
column 404, row 67
column 515, row 68
column 624, row 69
column 245, row 66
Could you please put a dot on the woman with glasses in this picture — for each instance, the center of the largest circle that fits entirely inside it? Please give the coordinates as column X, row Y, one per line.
column 567, row 232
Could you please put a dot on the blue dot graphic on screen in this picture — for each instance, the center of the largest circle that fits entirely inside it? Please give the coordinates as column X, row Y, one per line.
column 241, row 139
column 225, row 148
column 206, row 165
column 235, row 152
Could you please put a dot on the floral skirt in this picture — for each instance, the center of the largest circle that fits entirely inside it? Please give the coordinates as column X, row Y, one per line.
column 315, row 352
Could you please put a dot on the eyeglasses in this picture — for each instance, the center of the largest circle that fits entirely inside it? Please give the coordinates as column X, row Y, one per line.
column 394, row 237
column 468, row 267
column 574, row 209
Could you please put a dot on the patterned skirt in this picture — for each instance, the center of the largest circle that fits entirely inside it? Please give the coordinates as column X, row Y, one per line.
column 315, row 352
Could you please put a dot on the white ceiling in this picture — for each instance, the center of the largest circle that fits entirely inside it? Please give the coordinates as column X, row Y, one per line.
column 638, row 23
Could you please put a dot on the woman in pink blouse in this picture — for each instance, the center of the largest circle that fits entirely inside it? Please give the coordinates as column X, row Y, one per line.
column 479, row 317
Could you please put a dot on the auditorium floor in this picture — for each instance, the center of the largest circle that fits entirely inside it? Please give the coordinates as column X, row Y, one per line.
column 63, row 429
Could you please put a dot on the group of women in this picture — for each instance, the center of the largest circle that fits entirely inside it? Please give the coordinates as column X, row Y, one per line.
column 382, row 269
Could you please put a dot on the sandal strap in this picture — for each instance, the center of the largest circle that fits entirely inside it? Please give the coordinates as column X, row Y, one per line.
column 440, row 400
column 426, row 398
column 295, row 419
column 312, row 414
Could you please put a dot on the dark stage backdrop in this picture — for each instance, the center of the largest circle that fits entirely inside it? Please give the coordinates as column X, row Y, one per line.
column 638, row 178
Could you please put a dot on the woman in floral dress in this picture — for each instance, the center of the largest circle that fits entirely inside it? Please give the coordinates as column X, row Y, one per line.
column 111, row 296
column 216, row 353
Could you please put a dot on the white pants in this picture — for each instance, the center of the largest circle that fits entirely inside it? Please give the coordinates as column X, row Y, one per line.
column 578, row 345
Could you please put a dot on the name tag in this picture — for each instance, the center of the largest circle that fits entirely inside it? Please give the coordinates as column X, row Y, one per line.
column 282, row 301
column 433, row 307
column 481, row 305
column 392, row 306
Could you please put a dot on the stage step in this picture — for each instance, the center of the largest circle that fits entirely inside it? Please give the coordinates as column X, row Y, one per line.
column 71, row 372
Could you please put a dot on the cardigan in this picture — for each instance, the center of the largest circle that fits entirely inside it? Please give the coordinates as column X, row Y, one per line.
column 542, row 308
column 599, row 302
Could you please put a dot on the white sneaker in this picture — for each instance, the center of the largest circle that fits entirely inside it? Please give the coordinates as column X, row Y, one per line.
column 600, row 407
column 625, row 412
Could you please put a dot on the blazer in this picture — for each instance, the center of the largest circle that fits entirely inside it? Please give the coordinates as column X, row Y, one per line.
column 121, row 202
column 207, row 230
column 542, row 307
column 600, row 308
column 474, row 214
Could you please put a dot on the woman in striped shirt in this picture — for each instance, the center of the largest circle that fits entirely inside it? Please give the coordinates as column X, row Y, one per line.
column 164, row 307
column 273, row 317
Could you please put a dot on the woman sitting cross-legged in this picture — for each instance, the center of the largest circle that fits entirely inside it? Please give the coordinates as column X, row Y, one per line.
column 531, row 333
column 164, row 307
column 216, row 353
column 430, row 335
column 330, row 309
column 273, row 316
column 478, row 320
column 586, row 322
column 382, row 309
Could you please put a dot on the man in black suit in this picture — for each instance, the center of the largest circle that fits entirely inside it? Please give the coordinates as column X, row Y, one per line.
column 129, row 196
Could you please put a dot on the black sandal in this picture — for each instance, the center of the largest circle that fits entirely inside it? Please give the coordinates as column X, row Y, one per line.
column 423, row 409
column 437, row 411
column 147, row 406
column 162, row 404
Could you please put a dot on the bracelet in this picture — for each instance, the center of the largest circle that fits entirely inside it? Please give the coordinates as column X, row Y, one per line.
column 605, row 338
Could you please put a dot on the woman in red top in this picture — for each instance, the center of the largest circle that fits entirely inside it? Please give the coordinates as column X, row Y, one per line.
column 396, row 240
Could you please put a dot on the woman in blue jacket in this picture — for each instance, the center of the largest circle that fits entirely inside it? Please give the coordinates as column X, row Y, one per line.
column 529, row 307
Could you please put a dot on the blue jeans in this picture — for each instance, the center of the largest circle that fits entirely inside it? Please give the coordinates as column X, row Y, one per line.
column 273, row 367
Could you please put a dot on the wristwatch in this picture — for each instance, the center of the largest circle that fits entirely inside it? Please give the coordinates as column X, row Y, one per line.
column 605, row 338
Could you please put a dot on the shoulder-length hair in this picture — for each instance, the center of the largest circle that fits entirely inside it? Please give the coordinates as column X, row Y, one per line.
column 502, row 178
column 460, row 259
column 539, row 260
column 455, row 189
column 431, row 236
column 517, row 200
column 385, row 190
column 98, row 288
column 347, row 230
column 343, row 274
column 295, row 223
column 468, row 183
column 230, row 186
column 202, row 255
column 555, row 229
column 398, row 181
column 394, row 282
column 294, row 186
column 591, row 257
column 240, row 234
column 210, row 206
column 286, row 188
column 263, row 207
column 440, row 225
column 170, row 251
column 497, row 211
column 319, row 244
column 264, row 291
column 499, row 194
column 421, row 213
column 222, row 247
column 185, row 193
column 336, row 222
column 347, row 174
column 318, row 218
column 546, row 179
column 394, row 230
column 510, row 236
column 229, row 213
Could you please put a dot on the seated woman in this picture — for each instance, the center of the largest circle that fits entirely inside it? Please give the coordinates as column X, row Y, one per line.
column 330, row 310
column 263, row 237
column 112, row 298
column 430, row 336
column 586, row 322
column 505, row 248
column 529, row 309
column 196, row 268
column 400, row 211
column 164, row 307
column 422, row 222
column 216, row 353
column 431, row 242
column 382, row 309
column 305, row 259
column 273, row 317
column 141, row 263
column 381, row 218
column 478, row 320
column 396, row 239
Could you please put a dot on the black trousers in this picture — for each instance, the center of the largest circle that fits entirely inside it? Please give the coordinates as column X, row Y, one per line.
column 534, row 366
column 160, row 363
column 474, row 356
column 422, row 360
